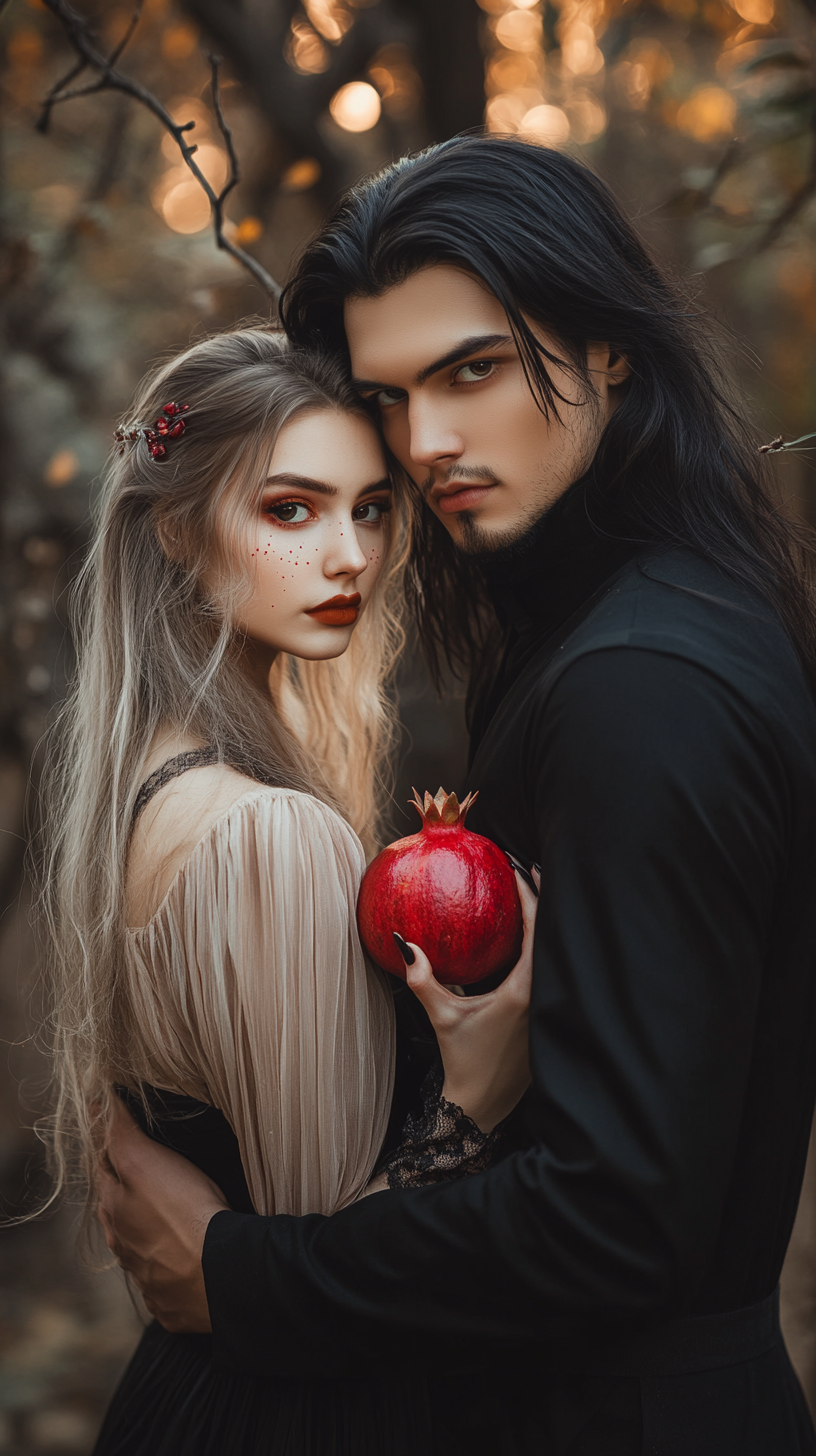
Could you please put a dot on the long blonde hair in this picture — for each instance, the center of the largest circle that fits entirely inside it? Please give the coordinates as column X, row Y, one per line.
column 155, row 647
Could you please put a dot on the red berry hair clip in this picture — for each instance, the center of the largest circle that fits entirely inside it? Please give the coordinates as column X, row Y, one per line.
column 167, row 427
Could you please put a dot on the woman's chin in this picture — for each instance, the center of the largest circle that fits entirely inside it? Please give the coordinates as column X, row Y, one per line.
column 321, row 644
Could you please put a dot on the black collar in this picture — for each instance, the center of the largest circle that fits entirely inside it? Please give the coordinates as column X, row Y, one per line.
column 540, row 585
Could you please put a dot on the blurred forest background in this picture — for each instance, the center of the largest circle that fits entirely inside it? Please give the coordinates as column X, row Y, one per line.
column 699, row 113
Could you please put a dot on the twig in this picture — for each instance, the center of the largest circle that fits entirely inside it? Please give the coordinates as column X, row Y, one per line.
column 109, row 79
column 791, row 210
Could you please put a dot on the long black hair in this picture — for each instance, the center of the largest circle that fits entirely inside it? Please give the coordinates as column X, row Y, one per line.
column 677, row 463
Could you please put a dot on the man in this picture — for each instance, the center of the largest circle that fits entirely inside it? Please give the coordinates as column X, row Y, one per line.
column 647, row 736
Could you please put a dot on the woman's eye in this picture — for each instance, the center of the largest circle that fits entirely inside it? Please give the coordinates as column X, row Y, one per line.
column 371, row 513
column 385, row 397
column 479, row 369
column 290, row 513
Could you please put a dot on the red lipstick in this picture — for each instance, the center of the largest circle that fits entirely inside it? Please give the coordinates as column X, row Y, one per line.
column 338, row 611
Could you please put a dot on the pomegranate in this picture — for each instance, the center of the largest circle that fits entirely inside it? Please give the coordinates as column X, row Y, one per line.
column 450, row 891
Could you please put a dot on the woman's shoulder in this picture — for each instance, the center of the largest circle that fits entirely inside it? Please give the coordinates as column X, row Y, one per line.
column 205, row 812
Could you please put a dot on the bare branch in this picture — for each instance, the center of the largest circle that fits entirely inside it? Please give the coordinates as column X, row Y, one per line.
column 234, row 177
column 791, row 210
column 109, row 79
column 128, row 35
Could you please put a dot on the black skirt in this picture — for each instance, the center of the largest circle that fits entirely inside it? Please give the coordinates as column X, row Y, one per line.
column 172, row 1401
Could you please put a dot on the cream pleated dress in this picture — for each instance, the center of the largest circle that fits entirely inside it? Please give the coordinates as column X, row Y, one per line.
column 266, row 1041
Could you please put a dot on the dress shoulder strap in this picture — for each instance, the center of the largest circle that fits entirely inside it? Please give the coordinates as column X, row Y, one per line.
column 193, row 758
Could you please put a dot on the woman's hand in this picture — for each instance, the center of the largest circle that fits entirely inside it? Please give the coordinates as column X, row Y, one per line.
column 482, row 1039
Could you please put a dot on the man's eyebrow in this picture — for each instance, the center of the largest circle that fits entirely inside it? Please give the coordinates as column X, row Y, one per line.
column 474, row 345
column 305, row 482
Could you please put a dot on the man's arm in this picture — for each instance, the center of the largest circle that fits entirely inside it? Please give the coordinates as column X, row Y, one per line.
column 662, row 824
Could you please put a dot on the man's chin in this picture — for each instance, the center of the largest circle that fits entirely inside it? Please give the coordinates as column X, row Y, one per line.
column 477, row 538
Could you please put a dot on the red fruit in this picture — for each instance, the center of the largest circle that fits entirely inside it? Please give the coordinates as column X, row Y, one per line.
column 448, row 890
column 176, row 430
column 171, row 409
column 158, row 451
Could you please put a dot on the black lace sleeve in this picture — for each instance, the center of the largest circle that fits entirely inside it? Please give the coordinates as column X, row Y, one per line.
column 440, row 1143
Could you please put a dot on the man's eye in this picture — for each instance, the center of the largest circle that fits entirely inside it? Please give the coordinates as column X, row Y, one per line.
column 478, row 369
column 290, row 513
column 385, row 397
column 371, row 513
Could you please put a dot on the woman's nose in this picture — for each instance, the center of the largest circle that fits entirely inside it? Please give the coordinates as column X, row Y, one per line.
column 345, row 556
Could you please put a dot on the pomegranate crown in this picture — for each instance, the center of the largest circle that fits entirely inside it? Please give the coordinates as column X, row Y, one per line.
column 169, row 426
column 442, row 808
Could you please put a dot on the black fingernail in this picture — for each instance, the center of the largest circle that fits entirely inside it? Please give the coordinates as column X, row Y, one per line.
column 525, row 874
column 404, row 949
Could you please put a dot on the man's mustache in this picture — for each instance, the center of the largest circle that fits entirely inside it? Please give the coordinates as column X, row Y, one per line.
column 478, row 474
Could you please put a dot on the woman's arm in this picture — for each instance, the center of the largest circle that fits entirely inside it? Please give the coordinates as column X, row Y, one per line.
column 249, row 990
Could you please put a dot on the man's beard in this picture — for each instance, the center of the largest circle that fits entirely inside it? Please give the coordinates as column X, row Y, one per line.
column 500, row 548
column 494, row 547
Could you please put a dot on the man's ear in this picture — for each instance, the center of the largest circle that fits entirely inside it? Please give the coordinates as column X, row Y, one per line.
column 617, row 369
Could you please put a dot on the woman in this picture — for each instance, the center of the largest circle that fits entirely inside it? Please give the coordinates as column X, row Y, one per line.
column 221, row 765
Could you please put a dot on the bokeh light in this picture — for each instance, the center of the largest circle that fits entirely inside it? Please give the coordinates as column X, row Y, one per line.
column 328, row 18
column 756, row 12
column 305, row 51
column 356, row 107
column 186, row 208
column 505, row 112
column 249, row 230
column 519, row 30
column 24, row 47
column 61, row 469
column 708, row 114
column 580, row 53
column 397, row 80
column 588, row 117
column 302, row 174
column 179, row 41
column 546, row 124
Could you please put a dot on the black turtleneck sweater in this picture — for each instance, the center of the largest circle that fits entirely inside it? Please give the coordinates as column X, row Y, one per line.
column 650, row 741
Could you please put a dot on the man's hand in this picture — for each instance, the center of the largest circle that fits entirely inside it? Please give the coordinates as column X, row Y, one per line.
column 154, row 1207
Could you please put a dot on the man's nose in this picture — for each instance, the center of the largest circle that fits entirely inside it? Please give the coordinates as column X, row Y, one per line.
column 432, row 436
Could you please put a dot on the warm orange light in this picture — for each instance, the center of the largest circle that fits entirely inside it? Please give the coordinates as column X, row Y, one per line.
column 504, row 112
column 186, row 208
column 756, row 12
column 24, row 48
column 519, row 30
column 356, row 107
column 579, row 51
column 61, row 469
column 301, row 175
column 588, row 117
column 546, row 124
column 305, row 52
column 179, row 41
column 708, row 113
column 396, row 79
column 249, row 230
column 510, row 70
column 331, row 20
